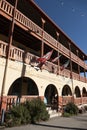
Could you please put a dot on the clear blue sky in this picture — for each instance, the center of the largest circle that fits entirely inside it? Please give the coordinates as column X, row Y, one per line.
column 70, row 16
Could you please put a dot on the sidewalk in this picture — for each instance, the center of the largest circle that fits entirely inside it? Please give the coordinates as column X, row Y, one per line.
column 58, row 123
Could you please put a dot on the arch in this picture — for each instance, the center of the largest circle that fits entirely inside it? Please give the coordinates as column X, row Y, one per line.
column 23, row 86
column 77, row 92
column 51, row 95
column 84, row 93
column 66, row 91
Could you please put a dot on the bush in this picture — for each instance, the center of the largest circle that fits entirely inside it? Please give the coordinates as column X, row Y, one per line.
column 71, row 108
column 37, row 110
column 65, row 114
column 28, row 112
column 17, row 116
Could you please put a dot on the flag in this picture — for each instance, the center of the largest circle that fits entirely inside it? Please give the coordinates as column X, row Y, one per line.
column 38, row 66
column 65, row 65
column 56, row 59
column 46, row 57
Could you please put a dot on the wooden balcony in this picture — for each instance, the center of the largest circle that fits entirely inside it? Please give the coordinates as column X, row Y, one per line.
column 21, row 20
column 17, row 54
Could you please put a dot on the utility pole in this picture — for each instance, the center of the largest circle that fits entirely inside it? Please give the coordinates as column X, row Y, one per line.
column 8, row 54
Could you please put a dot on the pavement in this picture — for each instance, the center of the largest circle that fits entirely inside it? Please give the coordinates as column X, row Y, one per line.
column 58, row 123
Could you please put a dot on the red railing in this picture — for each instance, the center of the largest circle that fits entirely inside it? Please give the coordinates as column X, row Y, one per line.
column 78, row 101
column 10, row 101
column 66, row 99
column 84, row 100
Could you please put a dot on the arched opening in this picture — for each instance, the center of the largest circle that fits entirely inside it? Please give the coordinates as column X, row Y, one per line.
column 51, row 96
column 77, row 92
column 84, row 93
column 23, row 86
column 66, row 91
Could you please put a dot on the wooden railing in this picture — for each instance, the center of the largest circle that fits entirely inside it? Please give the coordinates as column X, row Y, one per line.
column 78, row 101
column 3, row 48
column 22, row 19
column 66, row 99
column 6, row 7
column 84, row 100
column 10, row 101
column 28, row 23
column 22, row 56
column 63, row 50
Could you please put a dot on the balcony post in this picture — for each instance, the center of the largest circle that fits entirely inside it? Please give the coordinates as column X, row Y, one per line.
column 8, row 53
column 84, row 69
column 42, row 45
column 58, row 68
column 70, row 61
column 78, row 65
column 0, row 3
column 71, row 75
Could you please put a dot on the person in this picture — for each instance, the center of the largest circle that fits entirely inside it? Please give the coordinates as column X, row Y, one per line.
column 45, row 100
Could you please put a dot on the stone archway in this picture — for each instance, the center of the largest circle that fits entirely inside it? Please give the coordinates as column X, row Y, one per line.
column 84, row 93
column 66, row 91
column 51, row 95
column 23, row 86
column 77, row 92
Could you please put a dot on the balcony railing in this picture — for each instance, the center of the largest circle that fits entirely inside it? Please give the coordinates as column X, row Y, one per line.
column 19, row 17
column 6, row 7
column 10, row 101
column 22, row 56
column 3, row 48
column 78, row 101
column 26, row 22
column 66, row 99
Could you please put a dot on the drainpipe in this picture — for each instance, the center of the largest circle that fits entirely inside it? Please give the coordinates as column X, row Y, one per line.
column 8, row 54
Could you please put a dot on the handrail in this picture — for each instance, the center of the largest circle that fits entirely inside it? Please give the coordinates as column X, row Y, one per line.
column 7, row 7
column 20, row 17
column 3, row 48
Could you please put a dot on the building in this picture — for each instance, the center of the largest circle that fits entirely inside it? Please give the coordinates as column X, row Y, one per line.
column 26, row 35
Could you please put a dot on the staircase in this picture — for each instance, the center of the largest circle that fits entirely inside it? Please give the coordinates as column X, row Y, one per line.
column 53, row 113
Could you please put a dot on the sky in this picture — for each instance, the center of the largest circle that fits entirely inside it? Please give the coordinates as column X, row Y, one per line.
column 70, row 16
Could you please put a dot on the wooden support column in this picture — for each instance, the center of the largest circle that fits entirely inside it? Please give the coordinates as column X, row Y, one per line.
column 58, row 68
column 0, row 3
column 84, row 70
column 78, row 65
column 42, row 45
column 71, row 75
column 8, row 53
